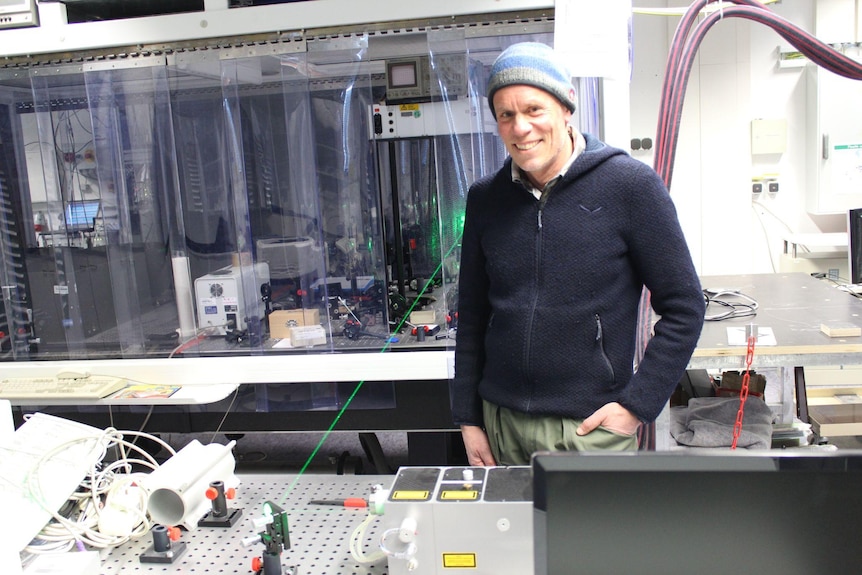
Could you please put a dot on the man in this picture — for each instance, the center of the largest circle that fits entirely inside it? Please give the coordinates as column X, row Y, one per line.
column 557, row 246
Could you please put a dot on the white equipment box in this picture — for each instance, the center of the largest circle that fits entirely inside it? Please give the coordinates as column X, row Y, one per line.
column 464, row 116
column 476, row 520
column 290, row 257
column 220, row 301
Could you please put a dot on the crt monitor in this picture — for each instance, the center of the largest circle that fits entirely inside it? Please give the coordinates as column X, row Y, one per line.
column 80, row 216
column 403, row 74
column 714, row 513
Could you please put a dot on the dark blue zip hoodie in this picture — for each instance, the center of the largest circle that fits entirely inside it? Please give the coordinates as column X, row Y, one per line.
column 549, row 291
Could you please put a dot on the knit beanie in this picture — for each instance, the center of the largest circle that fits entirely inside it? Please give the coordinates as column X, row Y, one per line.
column 533, row 64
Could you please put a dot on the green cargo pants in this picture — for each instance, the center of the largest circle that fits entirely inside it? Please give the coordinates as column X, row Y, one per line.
column 515, row 436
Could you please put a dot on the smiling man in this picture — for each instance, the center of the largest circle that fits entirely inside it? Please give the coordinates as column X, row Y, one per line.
column 557, row 247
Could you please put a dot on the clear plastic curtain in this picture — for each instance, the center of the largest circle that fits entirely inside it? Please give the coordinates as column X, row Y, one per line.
column 122, row 108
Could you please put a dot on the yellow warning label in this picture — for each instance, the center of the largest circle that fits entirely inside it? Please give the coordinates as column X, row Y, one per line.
column 408, row 107
column 459, row 560
column 459, row 494
column 410, row 495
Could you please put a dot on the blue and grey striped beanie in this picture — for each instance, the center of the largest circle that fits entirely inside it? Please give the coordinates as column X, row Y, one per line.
column 533, row 64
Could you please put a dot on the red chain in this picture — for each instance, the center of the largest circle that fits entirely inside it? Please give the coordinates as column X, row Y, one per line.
column 743, row 392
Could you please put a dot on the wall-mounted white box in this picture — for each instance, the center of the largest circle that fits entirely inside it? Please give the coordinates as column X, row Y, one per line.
column 768, row 136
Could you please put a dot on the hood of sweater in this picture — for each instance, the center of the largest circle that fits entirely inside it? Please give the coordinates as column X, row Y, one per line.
column 595, row 154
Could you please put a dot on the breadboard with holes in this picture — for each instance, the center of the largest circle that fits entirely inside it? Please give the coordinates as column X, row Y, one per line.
column 319, row 534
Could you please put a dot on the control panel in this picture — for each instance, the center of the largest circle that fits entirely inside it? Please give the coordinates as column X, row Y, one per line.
column 416, row 120
column 220, row 300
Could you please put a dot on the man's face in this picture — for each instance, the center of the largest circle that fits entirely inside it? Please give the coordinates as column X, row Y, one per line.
column 534, row 127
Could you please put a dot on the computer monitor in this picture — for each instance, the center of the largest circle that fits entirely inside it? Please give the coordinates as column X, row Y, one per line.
column 854, row 247
column 677, row 513
column 80, row 216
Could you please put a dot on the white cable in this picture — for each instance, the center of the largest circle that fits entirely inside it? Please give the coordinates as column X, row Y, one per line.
column 114, row 482
column 53, row 547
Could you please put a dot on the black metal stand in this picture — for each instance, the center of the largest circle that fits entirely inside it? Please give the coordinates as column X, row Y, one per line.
column 220, row 516
column 162, row 550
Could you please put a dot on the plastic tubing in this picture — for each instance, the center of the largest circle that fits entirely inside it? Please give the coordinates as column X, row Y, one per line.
column 178, row 487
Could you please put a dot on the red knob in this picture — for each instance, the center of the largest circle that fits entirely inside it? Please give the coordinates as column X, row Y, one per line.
column 174, row 533
column 211, row 493
column 230, row 493
column 256, row 564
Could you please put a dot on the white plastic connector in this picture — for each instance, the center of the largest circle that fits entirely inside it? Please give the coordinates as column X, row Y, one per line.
column 124, row 509
column 405, row 535
column 261, row 522
column 249, row 541
column 407, row 530
column 377, row 500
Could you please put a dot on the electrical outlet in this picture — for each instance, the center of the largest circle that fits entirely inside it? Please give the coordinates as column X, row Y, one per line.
column 773, row 187
column 756, row 187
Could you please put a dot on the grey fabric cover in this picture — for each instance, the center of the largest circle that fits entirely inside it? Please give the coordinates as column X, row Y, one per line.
column 708, row 422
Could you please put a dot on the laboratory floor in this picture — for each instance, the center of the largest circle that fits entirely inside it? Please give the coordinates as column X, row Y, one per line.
column 319, row 453
column 336, row 453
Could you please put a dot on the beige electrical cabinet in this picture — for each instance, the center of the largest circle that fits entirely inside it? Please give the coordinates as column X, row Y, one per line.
column 834, row 147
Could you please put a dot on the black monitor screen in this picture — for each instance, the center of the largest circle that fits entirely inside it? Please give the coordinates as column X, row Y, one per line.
column 670, row 513
column 854, row 247
column 81, row 216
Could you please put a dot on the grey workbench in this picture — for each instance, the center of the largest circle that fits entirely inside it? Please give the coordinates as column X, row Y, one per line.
column 793, row 306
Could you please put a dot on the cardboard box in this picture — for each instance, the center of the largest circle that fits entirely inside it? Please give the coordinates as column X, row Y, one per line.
column 307, row 335
column 281, row 321
column 425, row 316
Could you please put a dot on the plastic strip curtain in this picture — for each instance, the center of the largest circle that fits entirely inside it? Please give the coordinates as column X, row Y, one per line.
column 63, row 126
column 345, row 180
column 462, row 157
column 232, row 80
column 122, row 108
column 589, row 115
column 13, row 305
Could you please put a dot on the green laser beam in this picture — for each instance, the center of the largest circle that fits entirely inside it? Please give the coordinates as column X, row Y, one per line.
column 356, row 389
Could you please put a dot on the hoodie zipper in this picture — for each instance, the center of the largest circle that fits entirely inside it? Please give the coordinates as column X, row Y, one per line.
column 601, row 343
column 542, row 201
column 528, row 344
